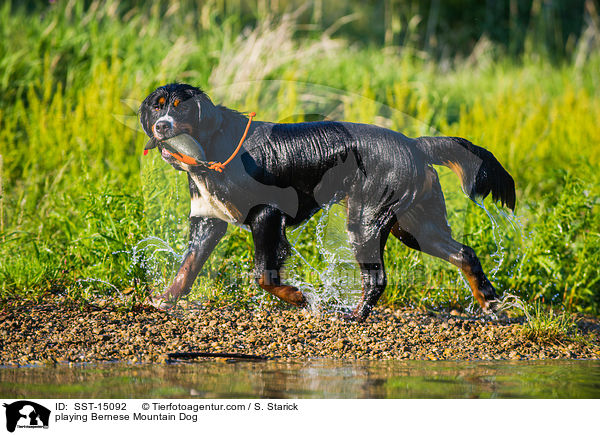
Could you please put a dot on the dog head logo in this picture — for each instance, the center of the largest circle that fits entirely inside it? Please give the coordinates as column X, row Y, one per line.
column 26, row 414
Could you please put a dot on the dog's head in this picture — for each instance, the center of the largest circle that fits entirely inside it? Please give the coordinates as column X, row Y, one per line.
column 179, row 108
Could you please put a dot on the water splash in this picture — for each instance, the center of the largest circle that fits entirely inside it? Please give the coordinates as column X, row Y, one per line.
column 335, row 282
column 97, row 280
column 153, row 245
column 500, row 220
column 511, row 301
column 156, row 257
column 505, row 226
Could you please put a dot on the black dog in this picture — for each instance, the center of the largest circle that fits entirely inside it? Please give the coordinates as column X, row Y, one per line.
column 284, row 173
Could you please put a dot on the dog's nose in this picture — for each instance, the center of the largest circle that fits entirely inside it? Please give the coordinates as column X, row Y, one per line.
column 162, row 128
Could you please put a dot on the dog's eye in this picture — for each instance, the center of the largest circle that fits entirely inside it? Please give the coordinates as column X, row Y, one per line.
column 175, row 103
column 159, row 103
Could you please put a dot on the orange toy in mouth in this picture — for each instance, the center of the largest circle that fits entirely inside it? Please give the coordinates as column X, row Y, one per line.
column 183, row 158
column 182, row 147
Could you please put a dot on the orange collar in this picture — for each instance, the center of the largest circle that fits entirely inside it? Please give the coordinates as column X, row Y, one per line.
column 220, row 166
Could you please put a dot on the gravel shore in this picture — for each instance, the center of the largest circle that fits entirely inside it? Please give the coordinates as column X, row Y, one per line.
column 62, row 333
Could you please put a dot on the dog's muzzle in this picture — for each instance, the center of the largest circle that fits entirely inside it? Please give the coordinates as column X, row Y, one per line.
column 163, row 130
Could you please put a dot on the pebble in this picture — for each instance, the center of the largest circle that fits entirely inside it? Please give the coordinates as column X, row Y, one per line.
column 59, row 333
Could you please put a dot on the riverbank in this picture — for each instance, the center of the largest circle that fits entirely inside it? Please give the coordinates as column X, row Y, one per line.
column 62, row 333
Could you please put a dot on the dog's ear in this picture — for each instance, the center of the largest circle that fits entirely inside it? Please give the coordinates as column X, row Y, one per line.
column 210, row 117
column 144, row 113
column 144, row 119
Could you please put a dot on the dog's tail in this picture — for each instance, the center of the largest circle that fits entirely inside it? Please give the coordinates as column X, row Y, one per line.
column 479, row 171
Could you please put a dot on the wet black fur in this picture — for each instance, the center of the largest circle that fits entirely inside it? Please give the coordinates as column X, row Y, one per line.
column 287, row 172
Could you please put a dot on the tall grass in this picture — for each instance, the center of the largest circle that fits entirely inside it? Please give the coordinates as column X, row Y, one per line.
column 77, row 198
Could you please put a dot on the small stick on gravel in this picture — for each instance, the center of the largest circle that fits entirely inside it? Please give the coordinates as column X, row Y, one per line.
column 193, row 355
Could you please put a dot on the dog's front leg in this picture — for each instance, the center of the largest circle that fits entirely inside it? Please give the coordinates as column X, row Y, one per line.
column 271, row 248
column 205, row 233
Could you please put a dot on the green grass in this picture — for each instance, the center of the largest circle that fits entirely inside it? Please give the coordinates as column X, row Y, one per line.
column 546, row 326
column 77, row 199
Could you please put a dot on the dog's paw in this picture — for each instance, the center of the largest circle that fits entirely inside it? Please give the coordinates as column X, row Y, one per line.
column 299, row 299
column 162, row 304
column 291, row 295
column 493, row 306
column 352, row 317
column 495, row 309
column 348, row 317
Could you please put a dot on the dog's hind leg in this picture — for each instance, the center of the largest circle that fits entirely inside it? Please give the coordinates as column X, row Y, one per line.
column 368, row 243
column 435, row 241
column 424, row 227
column 205, row 233
column 271, row 248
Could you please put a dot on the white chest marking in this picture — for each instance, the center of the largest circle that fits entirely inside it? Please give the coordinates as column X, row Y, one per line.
column 208, row 206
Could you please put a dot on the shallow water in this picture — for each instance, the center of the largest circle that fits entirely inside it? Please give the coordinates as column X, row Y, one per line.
column 309, row 379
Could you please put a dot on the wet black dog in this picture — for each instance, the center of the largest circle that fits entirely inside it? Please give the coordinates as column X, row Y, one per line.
column 284, row 173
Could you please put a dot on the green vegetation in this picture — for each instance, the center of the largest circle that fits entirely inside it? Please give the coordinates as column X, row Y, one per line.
column 545, row 326
column 79, row 205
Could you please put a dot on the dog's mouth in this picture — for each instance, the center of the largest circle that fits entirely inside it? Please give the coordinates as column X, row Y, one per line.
column 170, row 158
column 166, row 155
column 167, row 136
column 181, row 148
